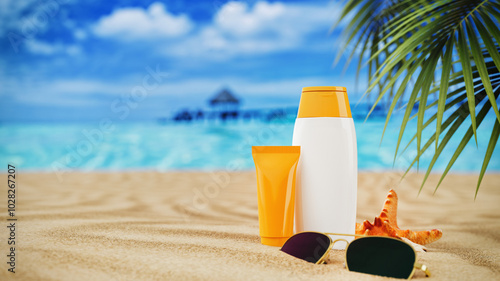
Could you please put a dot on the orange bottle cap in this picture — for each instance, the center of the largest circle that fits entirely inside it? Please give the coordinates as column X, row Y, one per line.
column 324, row 102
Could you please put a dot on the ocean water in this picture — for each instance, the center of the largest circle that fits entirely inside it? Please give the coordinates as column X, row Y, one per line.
column 205, row 146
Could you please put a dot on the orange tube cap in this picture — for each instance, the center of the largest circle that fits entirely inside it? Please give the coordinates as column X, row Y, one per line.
column 324, row 101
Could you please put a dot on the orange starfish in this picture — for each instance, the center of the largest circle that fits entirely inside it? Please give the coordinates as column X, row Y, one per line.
column 386, row 225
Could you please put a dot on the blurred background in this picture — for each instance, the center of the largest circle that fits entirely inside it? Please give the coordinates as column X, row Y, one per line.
column 176, row 85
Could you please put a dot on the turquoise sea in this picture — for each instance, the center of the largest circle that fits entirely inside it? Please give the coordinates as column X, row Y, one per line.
column 108, row 145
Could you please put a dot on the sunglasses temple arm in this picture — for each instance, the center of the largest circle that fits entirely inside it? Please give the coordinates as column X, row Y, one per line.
column 424, row 268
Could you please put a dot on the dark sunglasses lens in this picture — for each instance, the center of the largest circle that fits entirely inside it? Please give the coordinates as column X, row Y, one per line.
column 308, row 246
column 381, row 256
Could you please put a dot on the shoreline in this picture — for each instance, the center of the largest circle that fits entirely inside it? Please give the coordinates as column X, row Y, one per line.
column 189, row 170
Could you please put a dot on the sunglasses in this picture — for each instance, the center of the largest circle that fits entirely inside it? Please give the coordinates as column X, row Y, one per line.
column 377, row 255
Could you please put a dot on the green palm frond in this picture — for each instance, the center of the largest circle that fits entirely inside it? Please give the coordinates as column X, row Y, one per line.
column 418, row 49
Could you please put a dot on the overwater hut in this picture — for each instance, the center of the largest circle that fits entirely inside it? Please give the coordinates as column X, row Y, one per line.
column 225, row 105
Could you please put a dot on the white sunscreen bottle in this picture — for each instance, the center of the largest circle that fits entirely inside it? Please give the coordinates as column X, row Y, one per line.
column 326, row 184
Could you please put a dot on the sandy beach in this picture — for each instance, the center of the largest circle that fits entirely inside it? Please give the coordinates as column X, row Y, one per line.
column 204, row 226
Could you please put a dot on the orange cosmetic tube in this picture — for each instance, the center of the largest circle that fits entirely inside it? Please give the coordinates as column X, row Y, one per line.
column 276, row 167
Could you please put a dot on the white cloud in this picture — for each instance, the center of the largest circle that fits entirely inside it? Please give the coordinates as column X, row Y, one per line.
column 80, row 34
column 238, row 28
column 43, row 48
column 137, row 23
column 237, row 18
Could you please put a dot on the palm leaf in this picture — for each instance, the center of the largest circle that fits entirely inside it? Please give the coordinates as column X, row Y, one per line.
column 429, row 77
column 463, row 51
column 418, row 41
column 444, row 126
column 481, row 67
column 445, row 75
column 487, row 106
column 489, row 151
column 458, row 117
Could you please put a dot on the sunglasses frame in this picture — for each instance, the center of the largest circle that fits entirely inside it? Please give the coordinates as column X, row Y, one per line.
column 322, row 260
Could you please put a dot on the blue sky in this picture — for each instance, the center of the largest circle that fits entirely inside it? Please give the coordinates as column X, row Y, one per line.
column 84, row 60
